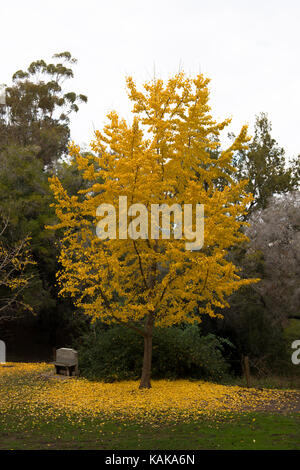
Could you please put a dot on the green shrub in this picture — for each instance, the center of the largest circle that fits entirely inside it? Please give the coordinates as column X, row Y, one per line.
column 117, row 354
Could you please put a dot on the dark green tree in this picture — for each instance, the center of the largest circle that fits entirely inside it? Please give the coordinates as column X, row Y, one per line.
column 37, row 109
column 34, row 134
column 25, row 201
column 264, row 164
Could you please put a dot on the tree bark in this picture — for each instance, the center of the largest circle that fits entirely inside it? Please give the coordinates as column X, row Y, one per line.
column 247, row 370
column 146, row 370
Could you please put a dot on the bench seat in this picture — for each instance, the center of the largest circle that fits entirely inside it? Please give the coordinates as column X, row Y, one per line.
column 70, row 367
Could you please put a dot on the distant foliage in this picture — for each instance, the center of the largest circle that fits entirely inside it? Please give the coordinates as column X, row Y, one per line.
column 265, row 165
column 259, row 313
column 34, row 134
column 38, row 108
column 275, row 234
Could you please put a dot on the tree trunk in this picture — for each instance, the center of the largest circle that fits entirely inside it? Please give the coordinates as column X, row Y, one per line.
column 146, row 370
column 247, row 370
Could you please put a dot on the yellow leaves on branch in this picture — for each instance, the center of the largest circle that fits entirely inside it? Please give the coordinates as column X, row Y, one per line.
column 169, row 154
column 14, row 264
column 15, row 274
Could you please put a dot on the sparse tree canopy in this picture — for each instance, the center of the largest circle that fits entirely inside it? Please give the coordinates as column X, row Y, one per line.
column 275, row 234
column 15, row 277
column 163, row 157
column 37, row 108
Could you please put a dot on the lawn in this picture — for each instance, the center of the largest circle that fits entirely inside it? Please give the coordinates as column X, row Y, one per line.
column 41, row 411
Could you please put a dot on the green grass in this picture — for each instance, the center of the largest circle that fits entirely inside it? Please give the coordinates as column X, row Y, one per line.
column 250, row 431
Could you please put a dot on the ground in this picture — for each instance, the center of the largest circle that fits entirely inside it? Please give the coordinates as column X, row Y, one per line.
column 39, row 410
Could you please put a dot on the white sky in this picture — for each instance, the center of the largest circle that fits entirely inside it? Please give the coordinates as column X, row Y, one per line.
column 249, row 49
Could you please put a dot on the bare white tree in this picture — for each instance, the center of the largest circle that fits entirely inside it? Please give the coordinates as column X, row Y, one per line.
column 275, row 233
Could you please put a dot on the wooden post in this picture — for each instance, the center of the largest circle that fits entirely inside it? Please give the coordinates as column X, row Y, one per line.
column 247, row 370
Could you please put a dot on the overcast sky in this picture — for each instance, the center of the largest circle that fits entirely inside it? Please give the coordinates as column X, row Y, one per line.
column 249, row 49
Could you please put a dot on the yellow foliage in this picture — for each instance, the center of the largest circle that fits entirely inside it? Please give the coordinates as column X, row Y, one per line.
column 35, row 391
column 15, row 275
column 164, row 156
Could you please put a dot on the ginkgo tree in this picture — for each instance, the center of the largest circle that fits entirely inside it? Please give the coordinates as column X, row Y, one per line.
column 164, row 156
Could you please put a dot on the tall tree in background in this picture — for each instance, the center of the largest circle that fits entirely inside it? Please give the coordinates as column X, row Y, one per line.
column 34, row 134
column 25, row 200
column 275, row 233
column 163, row 157
column 37, row 108
column 259, row 313
column 264, row 165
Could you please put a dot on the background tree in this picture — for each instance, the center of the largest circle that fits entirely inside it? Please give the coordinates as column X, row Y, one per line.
column 34, row 133
column 265, row 166
column 162, row 157
column 275, row 233
column 259, row 313
column 25, row 199
column 37, row 108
